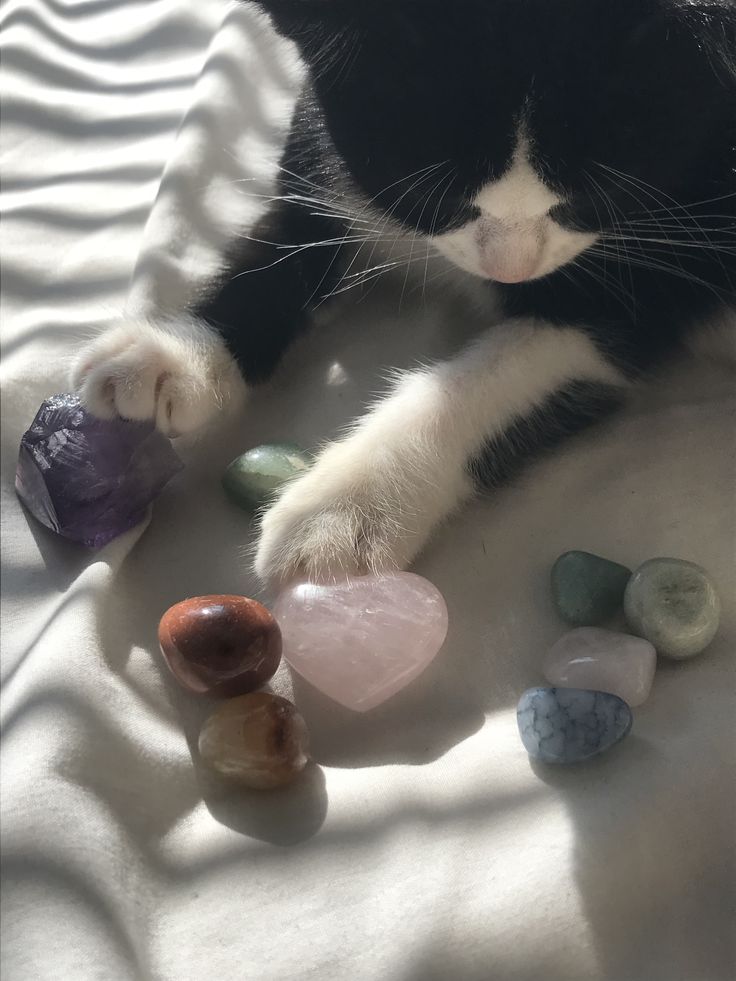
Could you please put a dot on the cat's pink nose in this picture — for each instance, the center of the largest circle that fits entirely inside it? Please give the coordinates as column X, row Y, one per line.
column 510, row 252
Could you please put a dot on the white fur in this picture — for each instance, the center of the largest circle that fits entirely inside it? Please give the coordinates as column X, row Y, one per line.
column 176, row 372
column 371, row 501
column 519, row 193
column 514, row 239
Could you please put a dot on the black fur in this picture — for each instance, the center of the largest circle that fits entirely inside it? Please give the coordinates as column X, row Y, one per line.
column 563, row 414
column 645, row 88
column 263, row 299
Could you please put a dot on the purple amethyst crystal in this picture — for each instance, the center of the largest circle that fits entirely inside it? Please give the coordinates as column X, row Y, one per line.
column 90, row 479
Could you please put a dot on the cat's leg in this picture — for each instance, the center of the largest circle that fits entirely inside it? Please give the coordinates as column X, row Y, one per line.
column 371, row 501
column 181, row 371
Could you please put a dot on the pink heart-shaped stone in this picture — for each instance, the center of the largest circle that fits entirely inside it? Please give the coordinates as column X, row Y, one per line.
column 362, row 640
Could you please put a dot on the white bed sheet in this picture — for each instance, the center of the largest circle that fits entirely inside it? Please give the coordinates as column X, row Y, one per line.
column 426, row 847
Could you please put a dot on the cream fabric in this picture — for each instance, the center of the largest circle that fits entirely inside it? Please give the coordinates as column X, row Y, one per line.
column 427, row 847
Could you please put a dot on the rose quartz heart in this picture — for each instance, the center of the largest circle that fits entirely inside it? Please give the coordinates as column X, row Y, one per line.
column 362, row 640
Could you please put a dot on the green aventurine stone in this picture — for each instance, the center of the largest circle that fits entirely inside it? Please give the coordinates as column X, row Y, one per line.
column 252, row 479
column 674, row 604
column 587, row 590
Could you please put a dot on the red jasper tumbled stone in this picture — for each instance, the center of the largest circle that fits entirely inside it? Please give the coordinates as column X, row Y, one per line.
column 220, row 645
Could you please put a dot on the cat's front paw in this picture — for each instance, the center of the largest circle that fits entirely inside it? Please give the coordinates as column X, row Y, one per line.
column 341, row 518
column 176, row 373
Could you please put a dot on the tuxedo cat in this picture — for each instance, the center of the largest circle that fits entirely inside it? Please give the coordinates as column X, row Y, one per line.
column 572, row 162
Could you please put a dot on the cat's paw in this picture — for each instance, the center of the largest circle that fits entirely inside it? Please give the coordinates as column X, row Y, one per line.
column 177, row 373
column 343, row 517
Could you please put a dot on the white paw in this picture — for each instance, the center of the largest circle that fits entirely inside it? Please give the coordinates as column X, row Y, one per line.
column 344, row 517
column 177, row 373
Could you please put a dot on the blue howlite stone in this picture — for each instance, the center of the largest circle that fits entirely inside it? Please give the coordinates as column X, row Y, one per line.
column 568, row 725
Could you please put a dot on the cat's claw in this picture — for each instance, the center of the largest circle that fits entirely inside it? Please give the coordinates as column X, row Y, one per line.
column 177, row 374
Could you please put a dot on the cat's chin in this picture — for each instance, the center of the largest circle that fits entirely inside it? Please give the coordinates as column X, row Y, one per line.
column 503, row 276
column 508, row 280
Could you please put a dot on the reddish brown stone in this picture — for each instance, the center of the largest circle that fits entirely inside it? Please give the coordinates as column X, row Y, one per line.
column 220, row 645
column 259, row 740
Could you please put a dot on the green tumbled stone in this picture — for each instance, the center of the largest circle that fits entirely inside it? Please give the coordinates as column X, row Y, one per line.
column 253, row 478
column 674, row 604
column 587, row 590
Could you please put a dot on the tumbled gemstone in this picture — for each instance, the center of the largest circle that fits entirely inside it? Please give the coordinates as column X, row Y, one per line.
column 90, row 479
column 253, row 478
column 220, row 645
column 569, row 725
column 674, row 604
column 362, row 640
column 602, row 660
column 586, row 589
column 259, row 740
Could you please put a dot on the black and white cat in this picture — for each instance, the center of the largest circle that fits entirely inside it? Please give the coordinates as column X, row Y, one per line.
column 572, row 160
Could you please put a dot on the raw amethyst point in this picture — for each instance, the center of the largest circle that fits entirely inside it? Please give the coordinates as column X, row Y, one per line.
column 90, row 479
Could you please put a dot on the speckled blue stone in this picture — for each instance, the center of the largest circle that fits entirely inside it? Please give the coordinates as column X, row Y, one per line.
column 568, row 725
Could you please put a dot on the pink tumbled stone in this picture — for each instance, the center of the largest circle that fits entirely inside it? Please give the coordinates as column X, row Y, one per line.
column 362, row 640
column 602, row 660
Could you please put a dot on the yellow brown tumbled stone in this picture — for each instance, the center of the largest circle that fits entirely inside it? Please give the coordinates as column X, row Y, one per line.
column 259, row 740
column 220, row 645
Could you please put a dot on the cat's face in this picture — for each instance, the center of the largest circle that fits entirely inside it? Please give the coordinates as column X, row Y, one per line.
column 512, row 235
column 514, row 133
